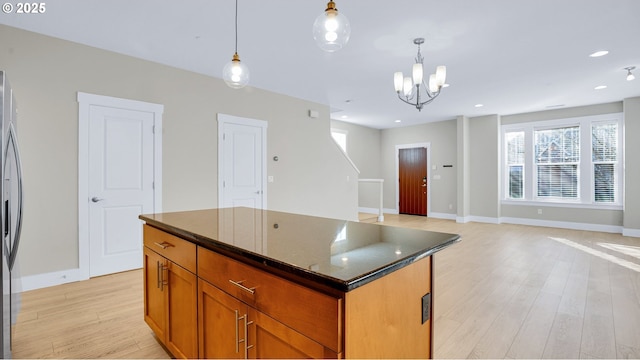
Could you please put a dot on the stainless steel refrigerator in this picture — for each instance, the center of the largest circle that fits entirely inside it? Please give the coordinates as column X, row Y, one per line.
column 11, row 210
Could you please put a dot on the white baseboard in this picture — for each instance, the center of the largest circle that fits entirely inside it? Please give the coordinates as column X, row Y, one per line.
column 483, row 219
column 445, row 216
column 39, row 281
column 368, row 210
column 631, row 232
column 565, row 225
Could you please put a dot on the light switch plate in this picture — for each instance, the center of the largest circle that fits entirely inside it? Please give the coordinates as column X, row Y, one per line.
column 426, row 307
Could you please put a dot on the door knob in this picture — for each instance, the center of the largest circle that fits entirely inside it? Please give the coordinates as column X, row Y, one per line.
column 96, row 199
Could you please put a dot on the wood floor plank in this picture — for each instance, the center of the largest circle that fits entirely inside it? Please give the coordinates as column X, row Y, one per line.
column 498, row 339
column 532, row 337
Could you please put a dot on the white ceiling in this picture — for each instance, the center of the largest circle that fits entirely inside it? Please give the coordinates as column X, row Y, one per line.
column 513, row 56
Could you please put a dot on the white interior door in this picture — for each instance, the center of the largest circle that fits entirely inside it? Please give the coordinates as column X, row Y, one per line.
column 242, row 162
column 121, row 181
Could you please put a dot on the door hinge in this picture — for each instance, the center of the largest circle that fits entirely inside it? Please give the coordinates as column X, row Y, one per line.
column 224, row 184
column 224, row 136
column 153, row 185
column 153, row 129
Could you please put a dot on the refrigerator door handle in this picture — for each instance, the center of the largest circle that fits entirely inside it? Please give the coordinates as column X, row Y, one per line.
column 13, row 142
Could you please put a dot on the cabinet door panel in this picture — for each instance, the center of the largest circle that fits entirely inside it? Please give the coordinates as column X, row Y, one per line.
column 182, row 325
column 154, row 297
column 220, row 328
column 270, row 339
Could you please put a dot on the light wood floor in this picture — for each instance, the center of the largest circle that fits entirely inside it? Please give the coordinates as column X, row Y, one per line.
column 505, row 291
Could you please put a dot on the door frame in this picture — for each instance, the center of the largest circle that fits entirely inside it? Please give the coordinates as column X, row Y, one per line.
column 230, row 119
column 426, row 145
column 85, row 101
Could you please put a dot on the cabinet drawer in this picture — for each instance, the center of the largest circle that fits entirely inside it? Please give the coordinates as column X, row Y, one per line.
column 311, row 313
column 181, row 252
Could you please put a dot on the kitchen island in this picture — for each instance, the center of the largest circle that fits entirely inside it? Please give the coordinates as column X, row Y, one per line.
column 247, row 283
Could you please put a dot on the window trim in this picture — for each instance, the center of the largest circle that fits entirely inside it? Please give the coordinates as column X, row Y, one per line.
column 586, row 196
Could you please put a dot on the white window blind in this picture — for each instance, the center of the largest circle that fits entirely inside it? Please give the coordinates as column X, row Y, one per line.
column 557, row 158
column 604, row 150
column 515, row 163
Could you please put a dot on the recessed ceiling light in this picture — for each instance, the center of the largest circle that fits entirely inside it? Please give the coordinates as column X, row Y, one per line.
column 478, row 105
column 344, row 117
column 600, row 87
column 555, row 106
column 599, row 53
column 397, row 121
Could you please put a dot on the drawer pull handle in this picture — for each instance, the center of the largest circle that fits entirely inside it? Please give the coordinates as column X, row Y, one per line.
column 163, row 245
column 237, row 337
column 239, row 284
column 246, row 336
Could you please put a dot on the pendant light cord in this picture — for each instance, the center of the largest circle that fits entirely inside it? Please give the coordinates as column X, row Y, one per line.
column 236, row 26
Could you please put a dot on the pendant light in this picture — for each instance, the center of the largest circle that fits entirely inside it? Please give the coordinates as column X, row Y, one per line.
column 331, row 29
column 235, row 73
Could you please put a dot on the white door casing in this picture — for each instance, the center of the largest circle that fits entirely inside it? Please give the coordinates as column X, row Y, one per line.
column 241, row 162
column 119, row 178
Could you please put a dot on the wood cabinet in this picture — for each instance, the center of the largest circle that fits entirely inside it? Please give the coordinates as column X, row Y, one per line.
column 203, row 304
column 170, row 292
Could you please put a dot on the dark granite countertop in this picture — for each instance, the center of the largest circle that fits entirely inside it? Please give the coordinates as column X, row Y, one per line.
column 337, row 254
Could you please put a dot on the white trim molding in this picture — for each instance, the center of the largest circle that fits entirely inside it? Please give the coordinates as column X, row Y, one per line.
column 85, row 102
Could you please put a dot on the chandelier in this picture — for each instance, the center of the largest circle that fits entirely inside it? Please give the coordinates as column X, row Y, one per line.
column 413, row 90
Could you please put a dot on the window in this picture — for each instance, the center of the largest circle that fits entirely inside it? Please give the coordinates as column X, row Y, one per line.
column 557, row 156
column 604, row 150
column 576, row 161
column 515, row 164
column 340, row 136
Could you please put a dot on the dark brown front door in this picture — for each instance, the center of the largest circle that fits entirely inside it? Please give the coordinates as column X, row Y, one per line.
column 413, row 181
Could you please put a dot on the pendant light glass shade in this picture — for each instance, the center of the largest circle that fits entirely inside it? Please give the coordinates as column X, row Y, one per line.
column 331, row 30
column 235, row 73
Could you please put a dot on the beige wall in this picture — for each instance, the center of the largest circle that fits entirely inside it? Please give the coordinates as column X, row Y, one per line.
column 46, row 74
column 442, row 137
column 631, row 218
column 484, row 160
